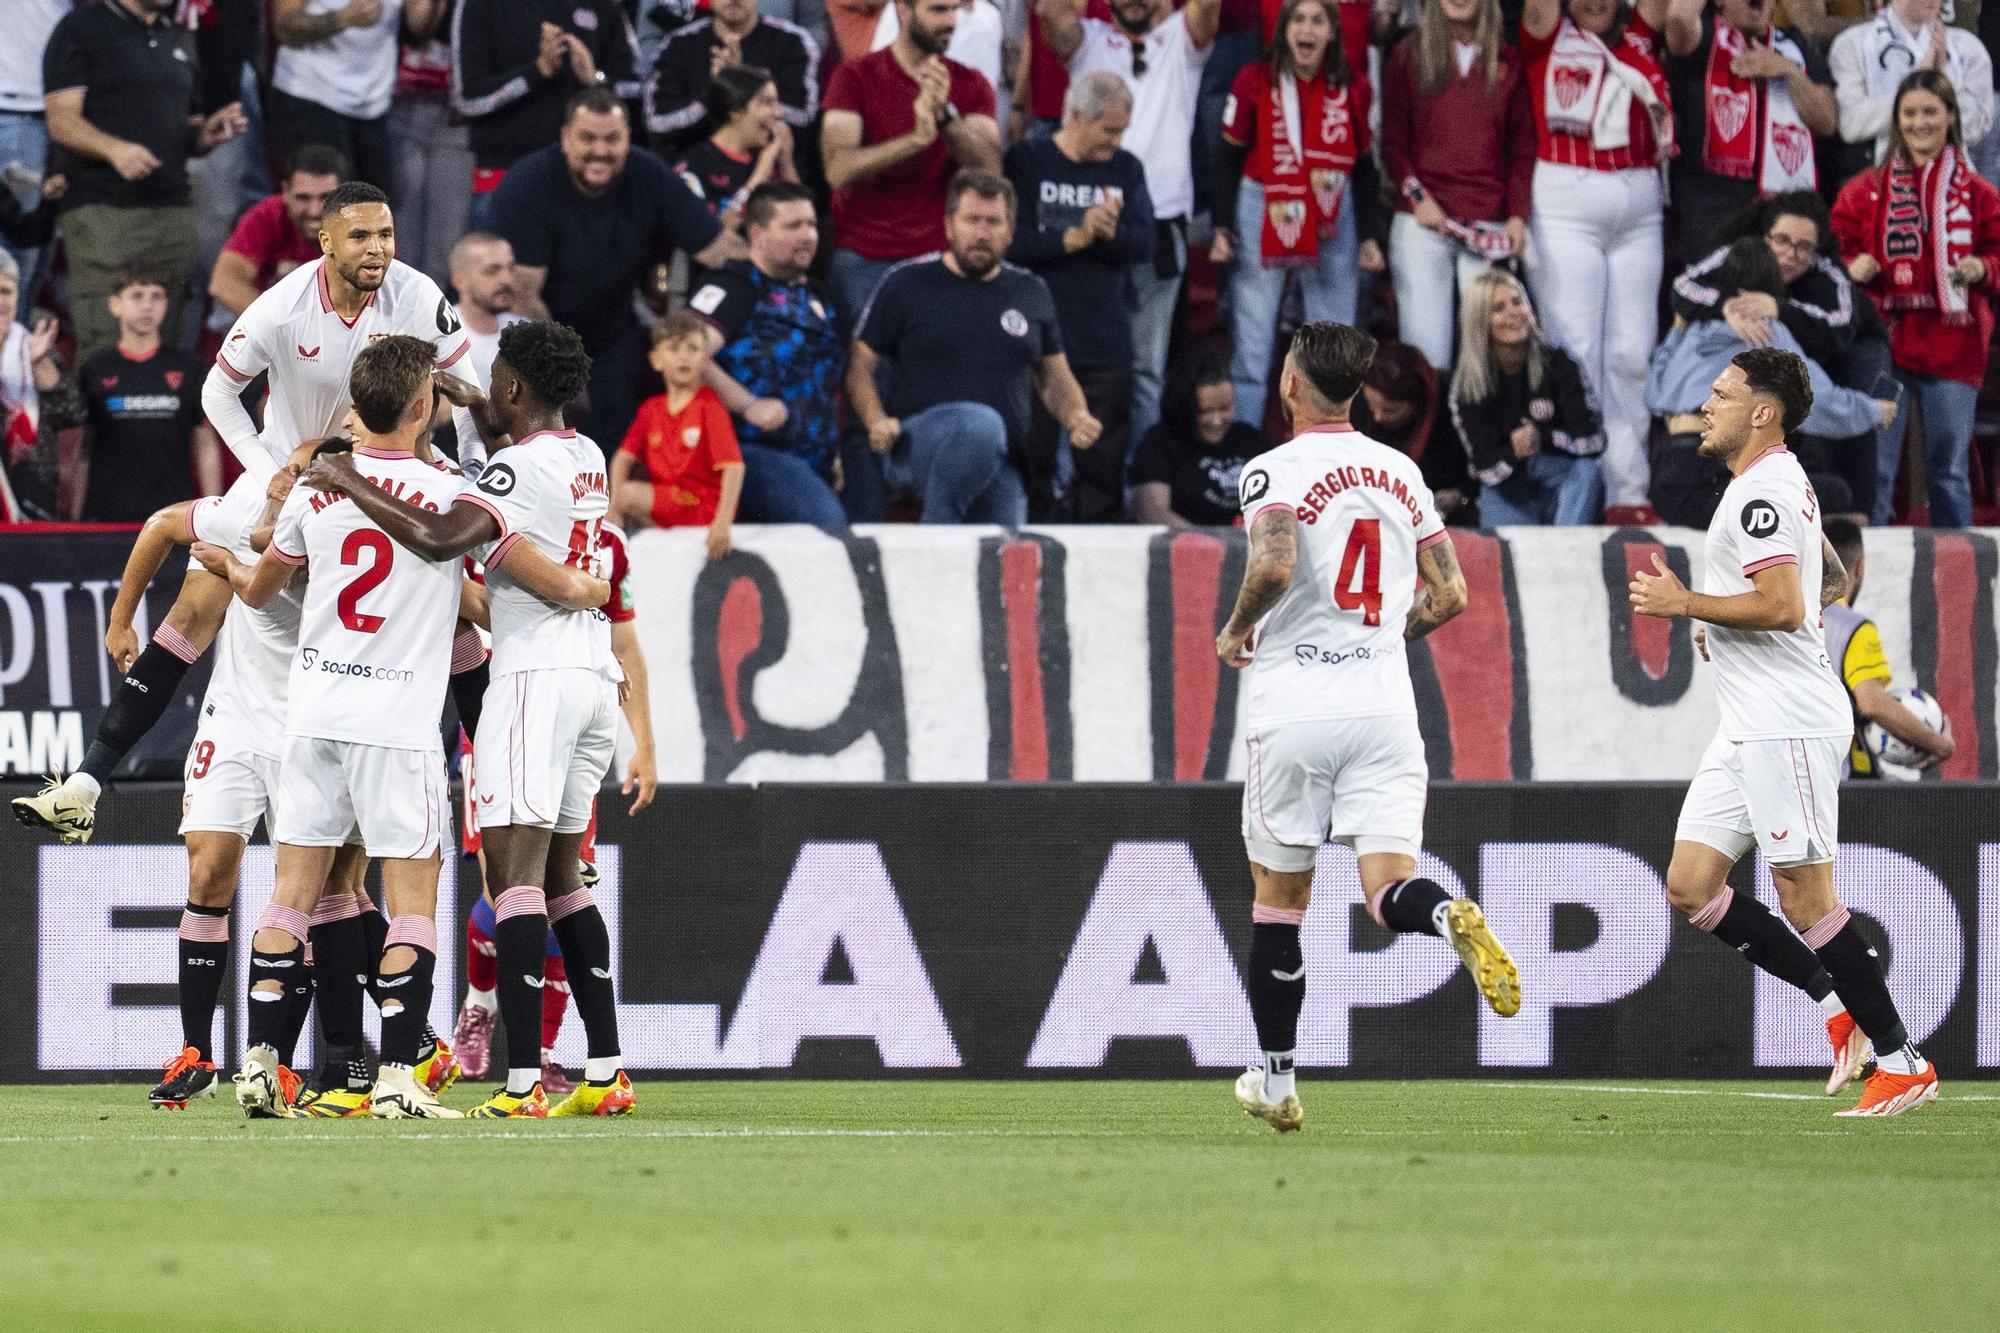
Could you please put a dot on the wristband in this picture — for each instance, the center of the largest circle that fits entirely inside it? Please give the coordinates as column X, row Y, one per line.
column 1413, row 190
column 947, row 116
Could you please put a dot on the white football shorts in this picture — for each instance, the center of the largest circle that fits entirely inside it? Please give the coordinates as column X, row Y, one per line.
column 228, row 788
column 1780, row 796
column 544, row 745
column 1361, row 781
column 397, row 799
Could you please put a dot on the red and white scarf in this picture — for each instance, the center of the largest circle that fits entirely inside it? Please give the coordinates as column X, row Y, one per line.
column 1311, row 132
column 20, row 404
column 1775, row 148
column 1925, row 229
column 1588, row 90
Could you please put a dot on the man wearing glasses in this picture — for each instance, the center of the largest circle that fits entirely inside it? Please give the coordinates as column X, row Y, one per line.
column 1159, row 54
column 1748, row 99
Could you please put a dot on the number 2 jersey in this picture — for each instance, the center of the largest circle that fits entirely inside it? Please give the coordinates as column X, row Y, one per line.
column 1333, row 644
column 549, row 488
column 1771, row 684
column 374, row 655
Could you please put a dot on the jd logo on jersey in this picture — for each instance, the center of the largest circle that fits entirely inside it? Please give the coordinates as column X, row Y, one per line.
column 498, row 479
column 1255, row 483
column 447, row 317
column 1760, row 518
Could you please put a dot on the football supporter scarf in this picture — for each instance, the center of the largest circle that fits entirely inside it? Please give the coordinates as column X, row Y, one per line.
column 1310, row 130
column 1889, row 53
column 20, row 404
column 1925, row 229
column 1588, row 92
column 1753, row 127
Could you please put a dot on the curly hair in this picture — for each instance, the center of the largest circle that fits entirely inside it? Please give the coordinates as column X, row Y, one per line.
column 548, row 357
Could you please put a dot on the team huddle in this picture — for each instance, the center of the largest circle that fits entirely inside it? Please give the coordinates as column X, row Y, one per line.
column 347, row 576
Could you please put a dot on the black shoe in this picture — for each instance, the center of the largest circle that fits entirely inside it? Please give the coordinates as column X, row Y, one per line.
column 187, row 1076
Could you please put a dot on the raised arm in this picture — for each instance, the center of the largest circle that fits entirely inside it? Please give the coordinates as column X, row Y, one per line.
column 565, row 585
column 1204, row 20
column 1539, row 17
column 1443, row 595
column 442, row 536
column 1274, row 554
column 848, row 161
column 1683, row 26
column 1062, row 25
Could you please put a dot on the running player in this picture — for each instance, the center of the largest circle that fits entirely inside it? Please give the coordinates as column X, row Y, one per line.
column 1771, row 777
column 305, row 331
column 555, row 702
column 360, row 749
column 1341, row 530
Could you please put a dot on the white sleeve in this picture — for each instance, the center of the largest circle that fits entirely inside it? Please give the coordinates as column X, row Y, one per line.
column 1975, row 98
column 243, row 356
column 1862, row 118
column 288, row 538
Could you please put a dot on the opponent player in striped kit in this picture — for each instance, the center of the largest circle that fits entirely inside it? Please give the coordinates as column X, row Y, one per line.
column 360, row 749
column 1771, row 777
column 546, row 737
column 1342, row 528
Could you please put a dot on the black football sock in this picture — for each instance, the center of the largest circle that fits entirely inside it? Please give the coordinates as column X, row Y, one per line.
column 1415, row 907
column 267, row 1011
column 470, row 674
column 520, row 938
column 141, row 699
column 204, row 954
column 586, row 952
column 1277, row 986
column 405, row 998
column 1857, row 975
column 297, row 1009
column 341, row 970
column 1753, row 930
column 375, row 930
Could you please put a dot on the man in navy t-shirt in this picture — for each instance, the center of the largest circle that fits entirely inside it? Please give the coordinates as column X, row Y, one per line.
column 588, row 218
column 971, row 343
column 1086, row 219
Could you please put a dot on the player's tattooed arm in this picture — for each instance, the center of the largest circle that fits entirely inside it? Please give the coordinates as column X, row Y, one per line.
column 441, row 536
column 1833, row 581
column 577, row 589
column 1443, row 595
column 1274, row 553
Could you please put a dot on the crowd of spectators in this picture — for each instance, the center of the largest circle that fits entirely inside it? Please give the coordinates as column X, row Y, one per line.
column 842, row 261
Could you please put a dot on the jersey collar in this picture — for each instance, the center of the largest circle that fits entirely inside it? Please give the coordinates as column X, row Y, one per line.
column 326, row 300
column 566, row 434
column 1778, row 448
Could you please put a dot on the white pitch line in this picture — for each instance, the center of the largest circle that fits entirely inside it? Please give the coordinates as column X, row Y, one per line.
column 471, row 1135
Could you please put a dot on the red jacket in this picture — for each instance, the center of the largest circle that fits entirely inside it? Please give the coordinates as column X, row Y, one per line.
column 1920, row 340
column 1473, row 150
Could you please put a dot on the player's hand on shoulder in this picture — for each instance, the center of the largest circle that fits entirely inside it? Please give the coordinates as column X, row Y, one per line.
column 330, row 472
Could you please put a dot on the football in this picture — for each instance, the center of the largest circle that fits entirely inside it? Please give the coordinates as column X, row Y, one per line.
column 1897, row 758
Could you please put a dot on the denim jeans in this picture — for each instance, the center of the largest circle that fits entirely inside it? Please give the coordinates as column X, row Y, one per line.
column 1330, row 288
column 1431, row 272
column 24, row 139
column 781, row 487
column 433, row 191
column 1153, row 334
column 953, row 457
column 850, row 281
column 1947, row 408
column 1546, row 489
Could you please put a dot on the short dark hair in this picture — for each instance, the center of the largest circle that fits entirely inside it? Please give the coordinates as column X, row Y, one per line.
column 349, row 194
column 1844, row 535
column 1749, row 266
column 548, row 357
column 1334, row 358
column 681, row 324
column 137, row 275
column 985, row 184
column 764, row 200
column 1778, row 374
column 316, row 159
column 732, row 89
column 599, row 100
column 386, row 377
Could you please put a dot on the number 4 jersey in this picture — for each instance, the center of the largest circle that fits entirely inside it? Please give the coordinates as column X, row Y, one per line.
column 374, row 653
column 1333, row 644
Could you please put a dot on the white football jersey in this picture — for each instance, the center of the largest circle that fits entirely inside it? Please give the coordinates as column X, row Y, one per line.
column 549, row 488
column 253, row 663
column 1771, row 684
column 1333, row 644
column 293, row 331
column 374, row 653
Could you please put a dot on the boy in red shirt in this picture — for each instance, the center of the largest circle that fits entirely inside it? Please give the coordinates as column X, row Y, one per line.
column 685, row 442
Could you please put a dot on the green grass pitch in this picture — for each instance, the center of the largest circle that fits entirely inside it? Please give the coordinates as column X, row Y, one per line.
column 1014, row 1206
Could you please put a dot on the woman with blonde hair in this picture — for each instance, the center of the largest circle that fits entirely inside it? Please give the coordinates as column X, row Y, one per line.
column 1296, row 171
column 1529, row 425
column 1921, row 234
column 1458, row 145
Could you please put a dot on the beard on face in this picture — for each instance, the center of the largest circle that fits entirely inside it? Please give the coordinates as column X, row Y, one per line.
column 976, row 263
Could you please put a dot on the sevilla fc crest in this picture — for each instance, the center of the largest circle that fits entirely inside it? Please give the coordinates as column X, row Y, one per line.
column 1288, row 220
column 1792, row 144
column 1327, row 188
column 1570, row 81
column 174, row 378
column 1730, row 111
